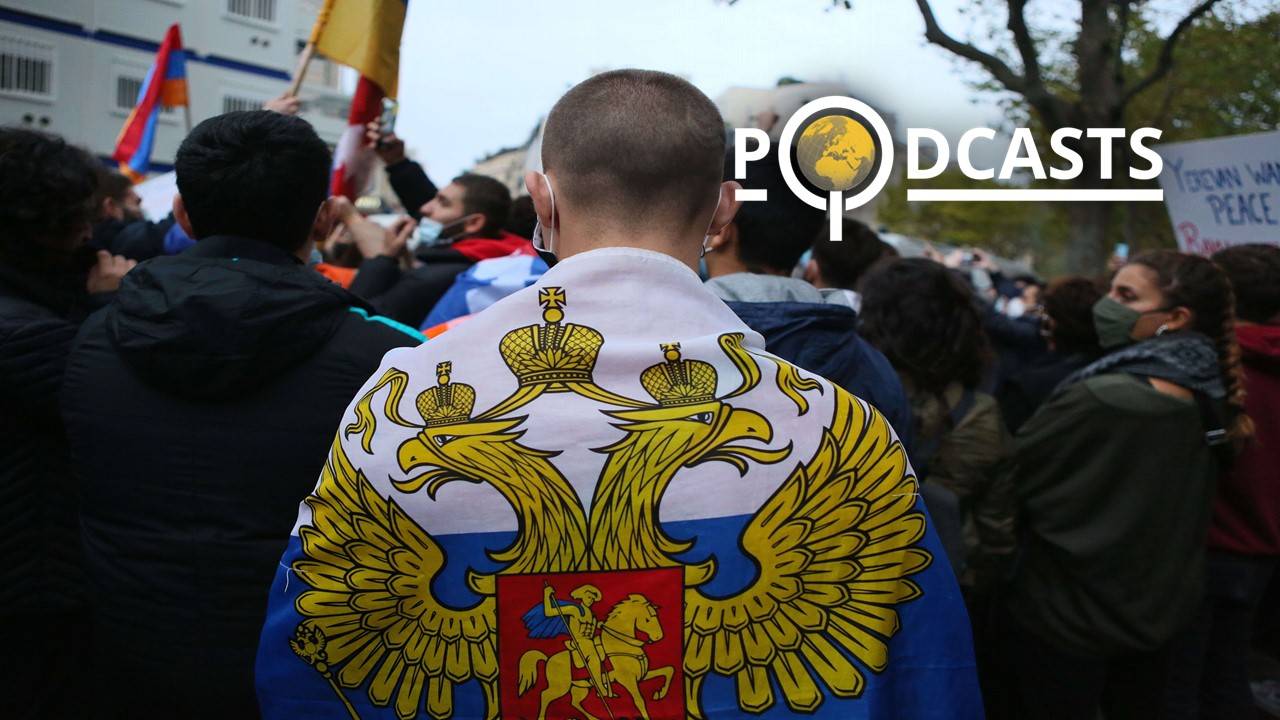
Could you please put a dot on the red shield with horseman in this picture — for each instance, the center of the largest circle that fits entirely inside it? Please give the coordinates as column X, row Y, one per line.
column 591, row 644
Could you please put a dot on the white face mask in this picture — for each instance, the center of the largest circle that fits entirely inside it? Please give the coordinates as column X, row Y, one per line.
column 539, row 244
column 548, row 245
column 706, row 237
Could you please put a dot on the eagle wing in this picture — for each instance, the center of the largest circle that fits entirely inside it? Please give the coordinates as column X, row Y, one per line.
column 835, row 551
column 370, row 567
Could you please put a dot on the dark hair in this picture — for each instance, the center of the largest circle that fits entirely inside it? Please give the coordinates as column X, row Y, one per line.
column 1069, row 303
column 523, row 217
column 636, row 144
column 772, row 235
column 1197, row 283
column 1255, row 276
column 112, row 184
column 488, row 197
column 925, row 320
column 257, row 174
column 46, row 196
column 843, row 263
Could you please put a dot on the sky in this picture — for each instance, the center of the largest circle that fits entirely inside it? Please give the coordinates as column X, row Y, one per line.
column 476, row 76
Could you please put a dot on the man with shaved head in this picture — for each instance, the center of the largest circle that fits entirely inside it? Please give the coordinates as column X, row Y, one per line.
column 751, row 531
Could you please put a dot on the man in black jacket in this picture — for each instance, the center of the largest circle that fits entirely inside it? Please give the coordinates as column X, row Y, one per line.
column 200, row 407
column 48, row 282
column 468, row 216
column 121, row 228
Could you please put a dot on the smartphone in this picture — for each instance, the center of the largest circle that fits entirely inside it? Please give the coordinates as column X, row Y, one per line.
column 387, row 120
column 1122, row 251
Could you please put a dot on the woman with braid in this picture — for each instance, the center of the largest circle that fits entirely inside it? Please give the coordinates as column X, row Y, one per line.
column 1115, row 476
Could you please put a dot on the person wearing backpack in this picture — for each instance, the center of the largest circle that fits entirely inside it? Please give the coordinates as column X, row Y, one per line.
column 1115, row 477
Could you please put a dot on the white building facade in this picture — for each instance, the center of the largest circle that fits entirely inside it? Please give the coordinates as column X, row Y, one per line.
column 74, row 67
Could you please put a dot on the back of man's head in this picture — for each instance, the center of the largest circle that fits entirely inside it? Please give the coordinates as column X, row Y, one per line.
column 635, row 146
column 257, row 174
column 842, row 264
column 486, row 196
column 46, row 196
column 773, row 234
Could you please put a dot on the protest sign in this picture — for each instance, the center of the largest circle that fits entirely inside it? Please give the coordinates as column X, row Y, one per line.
column 1223, row 192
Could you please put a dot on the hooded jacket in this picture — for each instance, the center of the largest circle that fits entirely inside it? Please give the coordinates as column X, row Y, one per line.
column 408, row 295
column 39, row 546
column 817, row 330
column 199, row 408
column 1246, row 510
column 1114, row 480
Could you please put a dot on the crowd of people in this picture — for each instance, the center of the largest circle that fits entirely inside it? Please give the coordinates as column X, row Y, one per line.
column 1097, row 455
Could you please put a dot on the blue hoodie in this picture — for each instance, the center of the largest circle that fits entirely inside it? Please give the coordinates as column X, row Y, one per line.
column 817, row 330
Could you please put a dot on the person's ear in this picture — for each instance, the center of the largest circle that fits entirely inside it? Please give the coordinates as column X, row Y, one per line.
column 724, row 239
column 110, row 209
column 180, row 215
column 1179, row 319
column 728, row 207
column 323, row 223
column 536, row 184
column 474, row 223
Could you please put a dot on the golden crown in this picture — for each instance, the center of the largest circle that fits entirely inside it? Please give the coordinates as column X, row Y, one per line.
column 679, row 382
column 447, row 402
column 553, row 352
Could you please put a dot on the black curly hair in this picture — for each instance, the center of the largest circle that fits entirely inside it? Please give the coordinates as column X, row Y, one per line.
column 1255, row 274
column 47, row 190
column 925, row 319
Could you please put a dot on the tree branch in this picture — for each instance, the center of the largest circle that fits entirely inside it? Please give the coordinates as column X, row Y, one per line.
column 1165, row 62
column 1030, row 85
column 994, row 65
column 1025, row 43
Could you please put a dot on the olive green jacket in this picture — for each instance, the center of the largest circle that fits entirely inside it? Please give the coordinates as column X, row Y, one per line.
column 1114, row 480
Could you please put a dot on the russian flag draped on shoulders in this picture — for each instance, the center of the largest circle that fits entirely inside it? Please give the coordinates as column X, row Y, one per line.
column 594, row 499
column 365, row 35
column 164, row 87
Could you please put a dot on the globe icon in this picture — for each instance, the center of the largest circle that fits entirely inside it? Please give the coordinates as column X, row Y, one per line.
column 835, row 153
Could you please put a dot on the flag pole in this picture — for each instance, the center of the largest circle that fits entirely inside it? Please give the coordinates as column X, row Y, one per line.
column 309, row 50
column 186, row 111
column 304, row 60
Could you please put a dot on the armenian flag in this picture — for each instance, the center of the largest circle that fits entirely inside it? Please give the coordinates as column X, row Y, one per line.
column 165, row 86
column 365, row 35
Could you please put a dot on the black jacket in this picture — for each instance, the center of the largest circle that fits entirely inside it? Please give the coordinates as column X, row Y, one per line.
column 200, row 407
column 412, row 186
column 1024, row 393
column 39, row 546
column 137, row 240
column 407, row 296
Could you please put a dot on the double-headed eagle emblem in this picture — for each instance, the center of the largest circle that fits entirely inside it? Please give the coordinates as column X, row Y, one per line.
column 835, row 545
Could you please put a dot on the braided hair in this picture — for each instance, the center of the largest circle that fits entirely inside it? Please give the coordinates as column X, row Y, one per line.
column 1198, row 284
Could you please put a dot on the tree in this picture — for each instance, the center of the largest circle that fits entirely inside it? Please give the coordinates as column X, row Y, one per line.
column 1108, row 78
column 1114, row 69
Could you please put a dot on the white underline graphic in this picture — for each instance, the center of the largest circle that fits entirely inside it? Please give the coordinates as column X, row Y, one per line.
column 1024, row 194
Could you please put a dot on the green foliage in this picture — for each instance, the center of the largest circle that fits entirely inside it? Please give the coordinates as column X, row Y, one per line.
column 1225, row 81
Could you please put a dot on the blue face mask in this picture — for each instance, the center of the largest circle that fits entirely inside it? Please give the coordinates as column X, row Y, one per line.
column 431, row 233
